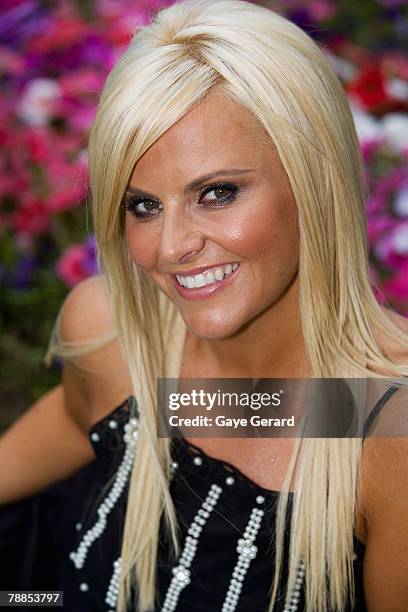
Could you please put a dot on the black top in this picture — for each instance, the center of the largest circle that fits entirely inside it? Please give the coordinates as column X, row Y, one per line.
column 41, row 537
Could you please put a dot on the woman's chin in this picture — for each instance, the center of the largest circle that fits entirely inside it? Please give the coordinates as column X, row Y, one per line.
column 208, row 328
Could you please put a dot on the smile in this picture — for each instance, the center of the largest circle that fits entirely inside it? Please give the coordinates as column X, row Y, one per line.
column 206, row 284
column 211, row 276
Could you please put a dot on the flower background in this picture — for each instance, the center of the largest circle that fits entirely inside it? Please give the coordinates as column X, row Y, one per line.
column 54, row 58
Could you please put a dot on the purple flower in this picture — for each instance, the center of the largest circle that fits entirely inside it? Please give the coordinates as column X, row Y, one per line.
column 90, row 256
column 23, row 274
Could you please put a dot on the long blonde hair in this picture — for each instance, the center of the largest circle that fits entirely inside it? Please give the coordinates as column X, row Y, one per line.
column 270, row 66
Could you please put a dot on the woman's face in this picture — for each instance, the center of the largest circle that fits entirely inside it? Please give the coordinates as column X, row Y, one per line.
column 241, row 213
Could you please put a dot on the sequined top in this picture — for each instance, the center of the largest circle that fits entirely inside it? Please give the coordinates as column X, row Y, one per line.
column 72, row 532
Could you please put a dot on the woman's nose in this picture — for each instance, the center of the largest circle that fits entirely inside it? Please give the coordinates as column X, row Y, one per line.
column 180, row 236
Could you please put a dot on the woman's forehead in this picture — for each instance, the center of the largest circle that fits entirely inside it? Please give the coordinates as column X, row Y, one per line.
column 216, row 133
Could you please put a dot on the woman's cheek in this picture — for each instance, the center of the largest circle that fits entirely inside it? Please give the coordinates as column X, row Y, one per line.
column 255, row 233
column 141, row 247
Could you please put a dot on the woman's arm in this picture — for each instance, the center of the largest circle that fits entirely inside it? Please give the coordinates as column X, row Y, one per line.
column 386, row 557
column 50, row 442
column 43, row 446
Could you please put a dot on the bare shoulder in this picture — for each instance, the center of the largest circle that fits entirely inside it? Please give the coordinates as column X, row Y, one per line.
column 388, row 436
column 85, row 312
column 386, row 554
column 384, row 473
column 98, row 380
column 393, row 348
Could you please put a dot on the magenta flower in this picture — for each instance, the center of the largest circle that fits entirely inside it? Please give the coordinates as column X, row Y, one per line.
column 392, row 248
column 397, row 286
column 75, row 264
column 32, row 217
column 378, row 225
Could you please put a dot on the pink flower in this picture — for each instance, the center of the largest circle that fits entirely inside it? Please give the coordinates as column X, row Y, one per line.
column 67, row 183
column 81, row 81
column 72, row 267
column 62, row 33
column 397, row 286
column 11, row 62
column 378, row 225
column 32, row 217
column 369, row 148
column 321, row 10
column 37, row 145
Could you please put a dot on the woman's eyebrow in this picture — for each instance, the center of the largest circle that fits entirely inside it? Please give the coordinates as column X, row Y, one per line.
column 196, row 183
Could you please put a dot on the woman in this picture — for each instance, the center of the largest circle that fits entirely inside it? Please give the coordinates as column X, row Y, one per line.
column 224, row 140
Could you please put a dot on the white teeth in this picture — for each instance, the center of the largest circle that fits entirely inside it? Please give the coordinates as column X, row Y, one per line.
column 219, row 274
column 199, row 280
column 206, row 278
column 209, row 277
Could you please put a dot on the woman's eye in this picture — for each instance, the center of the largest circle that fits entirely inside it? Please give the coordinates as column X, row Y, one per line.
column 140, row 207
column 223, row 193
column 143, row 207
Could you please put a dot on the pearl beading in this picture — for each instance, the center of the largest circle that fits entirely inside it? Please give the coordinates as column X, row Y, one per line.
column 78, row 557
column 181, row 572
column 113, row 588
column 246, row 548
column 292, row 600
column 247, row 552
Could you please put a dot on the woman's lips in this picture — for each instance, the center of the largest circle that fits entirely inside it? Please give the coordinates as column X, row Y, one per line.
column 199, row 293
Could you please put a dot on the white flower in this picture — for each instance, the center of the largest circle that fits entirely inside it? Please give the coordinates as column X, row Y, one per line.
column 37, row 101
column 343, row 68
column 395, row 127
column 368, row 128
column 401, row 202
column 400, row 240
column 397, row 88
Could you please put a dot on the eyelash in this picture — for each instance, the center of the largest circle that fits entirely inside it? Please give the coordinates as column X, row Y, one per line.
column 131, row 202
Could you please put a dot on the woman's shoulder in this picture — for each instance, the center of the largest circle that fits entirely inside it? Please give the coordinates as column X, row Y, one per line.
column 102, row 372
column 393, row 349
column 86, row 310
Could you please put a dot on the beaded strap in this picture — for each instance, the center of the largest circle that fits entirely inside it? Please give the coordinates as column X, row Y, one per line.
column 79, row 556
column 181, row 573
column 247, row 551
column 113, row 588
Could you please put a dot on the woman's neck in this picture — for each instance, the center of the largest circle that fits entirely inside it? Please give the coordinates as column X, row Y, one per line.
column 270, row 346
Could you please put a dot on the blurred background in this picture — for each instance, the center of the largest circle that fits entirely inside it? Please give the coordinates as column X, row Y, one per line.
column 54, row 58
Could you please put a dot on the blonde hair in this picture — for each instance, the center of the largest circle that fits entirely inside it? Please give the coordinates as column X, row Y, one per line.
column 267, row 64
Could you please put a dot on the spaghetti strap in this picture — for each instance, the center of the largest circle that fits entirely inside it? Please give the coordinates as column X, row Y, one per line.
column 377, row 408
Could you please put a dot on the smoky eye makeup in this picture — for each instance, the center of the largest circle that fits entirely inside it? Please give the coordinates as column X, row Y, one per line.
column 145, row 206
